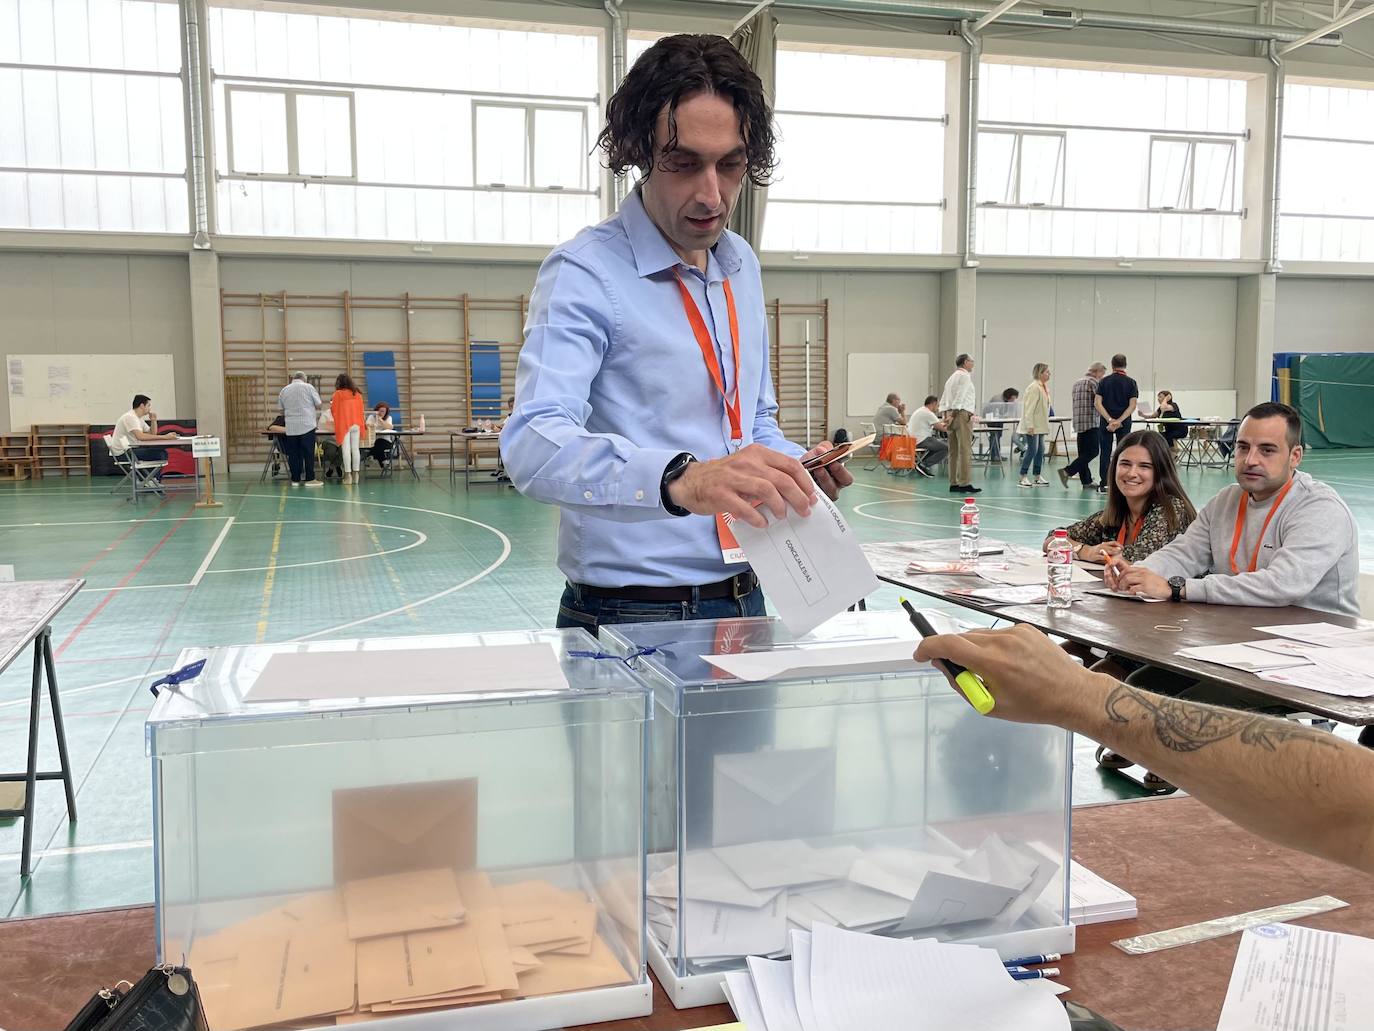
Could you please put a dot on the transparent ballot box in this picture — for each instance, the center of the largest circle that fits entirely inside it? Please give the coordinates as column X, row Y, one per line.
column 426, row 832
column 845, row 784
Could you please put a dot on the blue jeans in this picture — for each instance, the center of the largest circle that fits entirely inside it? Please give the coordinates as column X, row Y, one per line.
column 1035, row 452
column 578, row 608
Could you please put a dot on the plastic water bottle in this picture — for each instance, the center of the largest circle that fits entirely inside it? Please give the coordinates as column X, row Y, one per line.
column 968, row 531
column 1060, row 562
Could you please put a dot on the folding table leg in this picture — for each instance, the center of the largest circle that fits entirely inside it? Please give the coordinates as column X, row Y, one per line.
column 64, row 763
column 31, row 770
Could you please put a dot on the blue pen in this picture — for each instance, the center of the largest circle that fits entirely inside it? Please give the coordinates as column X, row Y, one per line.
column 1033, row 975
column 1030, row 961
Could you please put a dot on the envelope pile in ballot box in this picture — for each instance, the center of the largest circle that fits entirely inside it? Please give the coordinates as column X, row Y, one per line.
column 409, row 925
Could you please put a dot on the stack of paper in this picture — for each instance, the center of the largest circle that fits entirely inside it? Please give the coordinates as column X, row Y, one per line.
column 1320, row 657
column 1092, row 899
column 1292, row 976
column 742, row 900
column 842, row 981
column 398, row 943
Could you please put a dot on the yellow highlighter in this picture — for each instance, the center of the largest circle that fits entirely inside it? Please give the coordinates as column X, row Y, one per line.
column 967, row 681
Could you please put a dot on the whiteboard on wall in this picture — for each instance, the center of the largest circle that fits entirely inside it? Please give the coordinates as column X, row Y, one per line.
column 86, row 388
column 871, row 377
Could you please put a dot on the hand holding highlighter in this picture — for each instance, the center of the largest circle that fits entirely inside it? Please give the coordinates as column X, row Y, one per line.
column 968, row 682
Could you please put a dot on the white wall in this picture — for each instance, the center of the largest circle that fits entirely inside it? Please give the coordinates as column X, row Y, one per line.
column 98, row 304
column 869, row 312
column 1325, row 315
column 1178, row 333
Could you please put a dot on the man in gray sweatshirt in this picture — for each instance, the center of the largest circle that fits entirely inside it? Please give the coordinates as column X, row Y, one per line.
column 1278, row 537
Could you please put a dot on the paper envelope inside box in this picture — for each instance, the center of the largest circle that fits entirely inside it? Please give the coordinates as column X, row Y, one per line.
column 398, row 828
column 787, row 793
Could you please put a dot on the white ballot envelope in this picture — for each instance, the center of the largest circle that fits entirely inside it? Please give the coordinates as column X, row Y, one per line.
column 781, row 794
column 811, row 567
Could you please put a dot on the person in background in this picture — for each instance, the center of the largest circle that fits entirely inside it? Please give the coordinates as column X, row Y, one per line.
column 139, row 426
column 891, row 412
column 378, row 429
column 1035, row 425
column 331, row 458
column 957, row 402
column 299, row 402
column 347, row 406
column 1007, row 407
column 921, row 427
column 1117, row 397
column 1168, row 409
column 1300, row 787
column 1146, row 508
column 1085, row 427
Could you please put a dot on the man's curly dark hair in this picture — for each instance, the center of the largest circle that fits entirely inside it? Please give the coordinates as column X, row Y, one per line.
column 673, row 68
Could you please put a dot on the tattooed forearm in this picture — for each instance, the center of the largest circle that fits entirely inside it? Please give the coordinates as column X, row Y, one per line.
column 1187, row 726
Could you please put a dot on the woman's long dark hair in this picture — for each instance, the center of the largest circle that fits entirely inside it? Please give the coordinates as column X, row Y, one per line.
column 345, row 382
column 673, row 68
column 1166, row 486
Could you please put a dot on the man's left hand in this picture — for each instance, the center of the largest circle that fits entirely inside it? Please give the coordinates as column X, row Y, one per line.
column 831, row 478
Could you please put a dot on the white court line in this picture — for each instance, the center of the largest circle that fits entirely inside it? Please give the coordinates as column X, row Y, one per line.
column 81, row 850
column 66, row 693
column 859, row 510
column 420, row 538
column 210, row 556
column 959, row 500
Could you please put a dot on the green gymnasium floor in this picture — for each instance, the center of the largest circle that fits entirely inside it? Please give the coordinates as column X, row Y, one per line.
column 391, row 557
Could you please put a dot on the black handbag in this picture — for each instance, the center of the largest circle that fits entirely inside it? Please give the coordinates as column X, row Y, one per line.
column 165, row 999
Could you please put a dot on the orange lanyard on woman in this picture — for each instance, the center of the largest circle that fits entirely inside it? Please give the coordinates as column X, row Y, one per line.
column 1135, row 532
column 1240, row 526
column 708, row 353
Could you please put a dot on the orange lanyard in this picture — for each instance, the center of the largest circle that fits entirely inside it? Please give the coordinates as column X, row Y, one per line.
column 1135, row 531
column 708, row 352
column 1240, row 526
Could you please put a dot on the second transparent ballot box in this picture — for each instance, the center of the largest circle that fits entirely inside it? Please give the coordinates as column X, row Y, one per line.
column 418, row 832
column 831, row 778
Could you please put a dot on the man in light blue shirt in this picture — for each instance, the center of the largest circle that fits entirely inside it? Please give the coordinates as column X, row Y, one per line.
column 620, row 417
column 299, row 402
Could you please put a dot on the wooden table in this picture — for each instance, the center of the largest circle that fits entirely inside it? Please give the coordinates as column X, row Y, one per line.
column 1132, row 628
column 27, row 609
column 1183, row 862
column 485, row 441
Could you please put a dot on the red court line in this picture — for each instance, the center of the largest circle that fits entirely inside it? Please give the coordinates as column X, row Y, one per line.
column 114, row 544
column 110, row 594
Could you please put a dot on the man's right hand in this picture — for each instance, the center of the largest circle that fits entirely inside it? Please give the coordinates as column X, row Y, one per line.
column 1031, row 679
column 753, row 475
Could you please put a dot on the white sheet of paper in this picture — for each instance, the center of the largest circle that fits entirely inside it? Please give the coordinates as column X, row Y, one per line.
column 1326, row 679
column 854, row 906
column 773, row 987
column 1025, row 573
column 772, row 794
column 401, row 672
column 862, row 982
column 1107, row 592
column 1244, row 657
column 739, row 993
column 943, row 899
column 1285, row 969
column 1356, row 661
column 1027, row 595
column 892, row 656
column 803, row 912
column 734, row 931
column 811, row 568
column 1326, row 634
column 801, row 980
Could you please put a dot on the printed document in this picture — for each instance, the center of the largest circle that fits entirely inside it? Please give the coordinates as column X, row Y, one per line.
column 1288, row 976
column 810, row 567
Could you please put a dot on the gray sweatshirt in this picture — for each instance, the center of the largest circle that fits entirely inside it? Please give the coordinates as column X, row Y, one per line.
column 1309, row 557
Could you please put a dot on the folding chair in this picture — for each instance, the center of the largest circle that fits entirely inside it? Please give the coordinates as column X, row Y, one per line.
column 276, row 458
column 142, row 473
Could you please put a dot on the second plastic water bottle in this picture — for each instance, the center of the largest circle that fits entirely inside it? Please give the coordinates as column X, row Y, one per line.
column 968, row 531
column 1059, row 559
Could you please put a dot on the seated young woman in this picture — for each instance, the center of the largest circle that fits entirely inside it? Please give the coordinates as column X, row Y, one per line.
column 1146, row 508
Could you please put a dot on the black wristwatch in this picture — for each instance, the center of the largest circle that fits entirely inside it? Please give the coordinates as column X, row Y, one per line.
column 1176, row 587
column 674, row 469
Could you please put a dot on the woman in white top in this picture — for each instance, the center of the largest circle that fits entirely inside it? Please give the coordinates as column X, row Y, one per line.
column 378, row 423
column 1035, row 424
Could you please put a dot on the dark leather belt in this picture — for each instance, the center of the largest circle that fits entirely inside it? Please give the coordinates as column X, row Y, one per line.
column 736, row 586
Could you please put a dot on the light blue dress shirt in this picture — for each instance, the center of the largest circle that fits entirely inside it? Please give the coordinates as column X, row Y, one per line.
column 611, row 386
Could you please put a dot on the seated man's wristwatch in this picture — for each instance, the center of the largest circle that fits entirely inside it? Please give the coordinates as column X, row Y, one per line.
column 1176, row 584
column 671, row 472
